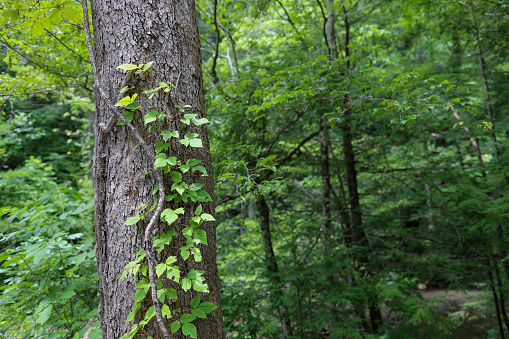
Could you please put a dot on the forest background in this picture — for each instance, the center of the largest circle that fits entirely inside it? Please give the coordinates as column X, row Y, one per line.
column 359, row 149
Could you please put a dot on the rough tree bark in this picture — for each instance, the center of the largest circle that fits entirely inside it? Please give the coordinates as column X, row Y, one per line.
column 135, row 32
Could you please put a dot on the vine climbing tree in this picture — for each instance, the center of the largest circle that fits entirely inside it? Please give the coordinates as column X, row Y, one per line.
column 152, row 173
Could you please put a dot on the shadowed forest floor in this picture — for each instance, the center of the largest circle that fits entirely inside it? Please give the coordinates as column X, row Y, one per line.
column 452, row 302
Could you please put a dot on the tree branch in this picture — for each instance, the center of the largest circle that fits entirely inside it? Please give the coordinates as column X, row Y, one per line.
column 63, row 44
column 9, row 46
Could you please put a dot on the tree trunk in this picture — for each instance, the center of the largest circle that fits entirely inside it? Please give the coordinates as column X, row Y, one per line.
column 327, row 215
column 135, row 33
column 483, row 68
column 272, row 267
column 357, row 236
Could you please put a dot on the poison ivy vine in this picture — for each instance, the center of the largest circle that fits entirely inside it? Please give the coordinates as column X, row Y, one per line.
column 193, row 234
column 184, row 192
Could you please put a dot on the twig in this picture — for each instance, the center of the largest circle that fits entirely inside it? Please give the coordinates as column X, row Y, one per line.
column 63, row 44
column 474, row 142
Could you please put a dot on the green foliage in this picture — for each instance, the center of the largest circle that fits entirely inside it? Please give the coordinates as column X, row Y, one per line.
column 414, row 83
column 48, row 267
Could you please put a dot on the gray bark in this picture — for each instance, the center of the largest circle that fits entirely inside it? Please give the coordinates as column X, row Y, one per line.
column 330, row 31
column 137, row 32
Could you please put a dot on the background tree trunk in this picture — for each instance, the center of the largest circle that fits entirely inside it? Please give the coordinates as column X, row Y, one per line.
column 137, row 32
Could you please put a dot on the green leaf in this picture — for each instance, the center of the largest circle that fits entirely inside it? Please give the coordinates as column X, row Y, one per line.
column 165, row 311
column 140, row 295
column 194, row 274
column 199, row 313
column 56, row 16
column 46, row 23
column 128, row 115
column 37, row 29
column 68, row 293
column 190, row 116
column 185, row 121
column 207, row 217
column 150, row 312
column 207, row 307
column 124, row 101
column 198, row 210
column 190, row 330
column 170, row 197
column 185, row 254
column 200, row 236
column 176, row 176
column 167, row 134
column 203, row 196
column 193, row 162
column 147, row 65
column 188, row 232
column 128, row 67
column 133, row 105
column 197, row 254
column 72, row 14
column 155, row 189
column 150, row 117
column 201, row 169
column 199, row 286
column 8, row 13
column 143, row 284
column 170, row 260
column 162, row 146
column 169, row 215
column 171, row 293
column 160, row 163
column 187, row 318
column 195, row 143
column 195, row 302
column 196, row 186
column 186, row 283
column 95, row 334
column 160, row 269
column 172, row 161
column 175, row 326
column 173, row 273
column 132, row 220
column 131, row 316
column 200, row 121
column 184, row 168
column 44, row 315
column 160, row 295
column 195, row 222
column 39, row 255
column 91, row 314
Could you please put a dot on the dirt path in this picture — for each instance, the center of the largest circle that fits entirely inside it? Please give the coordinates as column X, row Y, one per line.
column 452, row 301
